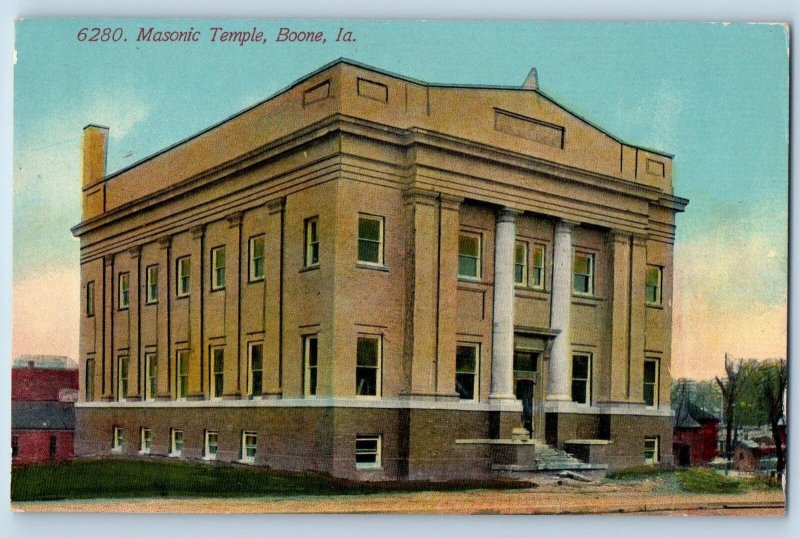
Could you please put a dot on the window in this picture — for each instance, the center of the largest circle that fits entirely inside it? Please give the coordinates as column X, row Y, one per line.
column 651, row 375
column 146, row 441
column 183, row 275
column 218, row 268
column 466, row 371
column 469, row 256
column 152, row 284
column 310, row 350
column 651, row 450
column 151, row 376
column 368, row 366
column 525, row 362
column 217, row 372
column 249, row 444
column 581, row 379
column 14, row 446
column 370, row 239
column 521, row 263
column 257, row 258
column 88, row 382
column 583, row 273
column 256, row 353
column 653, row 285
column 124, row 298
column 368, row 452
column 90, row 299
column 537, row 271
column 53, row 447
column 176, row 442
column 123, row 378
column 182, row 367
column 211, row 443
column 118, row 439
column 312, row 242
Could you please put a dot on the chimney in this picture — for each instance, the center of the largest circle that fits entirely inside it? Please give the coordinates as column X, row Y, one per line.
column 532, row 80
column 95, row 148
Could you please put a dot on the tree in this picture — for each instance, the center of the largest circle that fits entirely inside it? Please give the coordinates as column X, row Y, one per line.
column 730, row 388
column 774, row 376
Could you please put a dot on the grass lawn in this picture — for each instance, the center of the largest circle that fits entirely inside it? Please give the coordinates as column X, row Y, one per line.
column 120, row 477
column 695, row 480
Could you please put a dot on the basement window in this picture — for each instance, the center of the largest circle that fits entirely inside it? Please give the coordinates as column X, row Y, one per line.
column 211, row 444
column 118, row 439
column 249, row 445
column 146, row 441
column 651, row 450
column 368, row 452
column 176, row 443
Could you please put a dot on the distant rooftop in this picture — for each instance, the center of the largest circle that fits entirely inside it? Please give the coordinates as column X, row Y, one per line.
column 48, row 362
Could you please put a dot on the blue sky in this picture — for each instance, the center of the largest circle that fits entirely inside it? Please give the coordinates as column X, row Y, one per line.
column 714, row 95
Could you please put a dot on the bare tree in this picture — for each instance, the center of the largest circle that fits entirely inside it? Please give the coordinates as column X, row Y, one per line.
column 774, row 376
column 730, row 392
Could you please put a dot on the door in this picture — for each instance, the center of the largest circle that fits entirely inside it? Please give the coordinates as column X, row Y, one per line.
column 525, row 371
column 524, row 392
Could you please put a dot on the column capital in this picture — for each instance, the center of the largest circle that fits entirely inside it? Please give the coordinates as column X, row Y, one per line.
column 420, row 196
column 508, row 214
column 618, row 236
column 165, row 242
column 276, row 206
column 449, row 201
column 108, row 259
column 235, row 219
column 639, row 240
column 198, row 231
column 134, row 251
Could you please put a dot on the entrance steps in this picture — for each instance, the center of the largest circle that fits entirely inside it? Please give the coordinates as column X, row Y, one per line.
column 545, row 458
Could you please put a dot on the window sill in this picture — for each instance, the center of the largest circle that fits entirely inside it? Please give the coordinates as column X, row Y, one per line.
column 150, row 303
column 212, row 290
column 182, row 296
column 472, row 279
column 255, row 280
column 374, row 267
column 654, row 306
column 123, row 308
column 367, row 397
column 209, row 458
column 116, row 450
column 309, row 268
column 367, row 468
column 144, row 452
column 175, row 454
column 247, row 462
column 589, row 300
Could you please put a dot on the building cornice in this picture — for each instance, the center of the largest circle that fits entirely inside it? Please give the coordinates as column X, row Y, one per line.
column 338, row 123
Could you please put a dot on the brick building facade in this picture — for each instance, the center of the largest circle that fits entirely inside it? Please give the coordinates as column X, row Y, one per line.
column 379, row 278
column 43, row 392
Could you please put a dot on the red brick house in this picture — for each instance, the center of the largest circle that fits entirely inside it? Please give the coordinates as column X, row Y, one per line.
column 43, row 392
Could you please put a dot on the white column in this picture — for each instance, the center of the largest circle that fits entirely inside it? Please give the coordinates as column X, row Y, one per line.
column 561, row 299
column 503, row 318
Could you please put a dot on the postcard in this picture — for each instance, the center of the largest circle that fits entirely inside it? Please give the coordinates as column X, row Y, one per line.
column 342, row 266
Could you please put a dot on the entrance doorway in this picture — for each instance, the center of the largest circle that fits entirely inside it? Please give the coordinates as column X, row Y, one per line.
column 526, row 365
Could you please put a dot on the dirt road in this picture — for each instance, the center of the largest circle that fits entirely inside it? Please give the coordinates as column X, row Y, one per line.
column 547, row 499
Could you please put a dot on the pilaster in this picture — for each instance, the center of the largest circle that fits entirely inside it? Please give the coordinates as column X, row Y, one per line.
column 163, row 320
column 273, row 299
column 235, row 361
column 198, row 370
